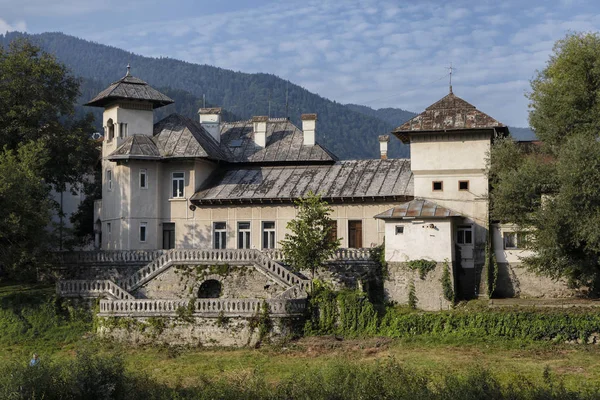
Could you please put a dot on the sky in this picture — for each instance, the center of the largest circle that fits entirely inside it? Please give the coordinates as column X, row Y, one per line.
column 374, row 52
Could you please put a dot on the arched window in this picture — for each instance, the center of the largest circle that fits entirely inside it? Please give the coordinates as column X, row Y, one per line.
column 111, row 129
column 210, row 289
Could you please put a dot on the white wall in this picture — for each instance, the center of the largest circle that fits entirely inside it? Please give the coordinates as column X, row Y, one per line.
column 419, row 240
column 504, row 255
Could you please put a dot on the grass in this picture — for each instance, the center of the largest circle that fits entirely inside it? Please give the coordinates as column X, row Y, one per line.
column 32, row 321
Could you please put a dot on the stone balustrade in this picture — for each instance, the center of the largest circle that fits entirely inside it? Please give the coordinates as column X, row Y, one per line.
column 91, row 288
column 362, row 254
column 231, row 256
column 109, row 256
column 202, row 307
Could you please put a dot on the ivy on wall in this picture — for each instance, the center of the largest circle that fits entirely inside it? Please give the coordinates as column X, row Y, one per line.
column 422, row 265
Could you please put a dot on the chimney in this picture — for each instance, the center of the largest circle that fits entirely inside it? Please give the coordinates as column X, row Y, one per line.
column 309, row 128
column 259, row 126
column 210, row 119
column 383, row 145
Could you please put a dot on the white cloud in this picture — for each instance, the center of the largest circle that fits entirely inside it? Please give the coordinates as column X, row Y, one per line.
column 16, row 26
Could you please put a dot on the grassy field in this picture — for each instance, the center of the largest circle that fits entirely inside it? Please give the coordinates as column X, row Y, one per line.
column 32, row 321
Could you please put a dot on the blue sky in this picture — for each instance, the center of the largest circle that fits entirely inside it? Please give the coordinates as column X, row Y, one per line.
column 377, row 53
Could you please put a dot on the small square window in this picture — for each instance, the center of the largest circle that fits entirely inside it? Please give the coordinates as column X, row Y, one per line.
column 438, row 186
column 399, row 229
column 463, row 185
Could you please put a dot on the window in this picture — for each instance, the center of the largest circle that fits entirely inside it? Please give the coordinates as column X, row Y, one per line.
column 355, row 234
column 464, row 234
column 243, row 235
column 178, row 181
column 109, row 179
column 268, row 234
column 219, row 235
column 399, row 229
column 122, row 130
column 111, row 129
column 463, row 185
column 332, row 235
column 437, row 186
column 108, row 228
column 143, row 179
column 143, row 231
column 515, row 240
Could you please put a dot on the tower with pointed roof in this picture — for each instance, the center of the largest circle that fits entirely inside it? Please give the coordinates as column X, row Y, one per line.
column 449, row 146
column 129, row 105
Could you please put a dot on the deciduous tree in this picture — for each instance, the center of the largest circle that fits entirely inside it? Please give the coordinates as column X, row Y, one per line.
column 310, row 243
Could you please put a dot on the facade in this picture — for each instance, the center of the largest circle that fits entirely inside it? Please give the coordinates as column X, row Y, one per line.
column 181, row 183
column 192, row 213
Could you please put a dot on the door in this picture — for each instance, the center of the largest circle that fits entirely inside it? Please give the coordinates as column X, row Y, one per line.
column 168, row 235
column 355, row 234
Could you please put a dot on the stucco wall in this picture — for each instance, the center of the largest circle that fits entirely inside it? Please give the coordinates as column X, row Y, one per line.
column 184, row 282
column 419, row 240
column 429, row 291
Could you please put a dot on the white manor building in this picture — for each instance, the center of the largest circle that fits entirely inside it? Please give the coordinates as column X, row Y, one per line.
column 208, row 184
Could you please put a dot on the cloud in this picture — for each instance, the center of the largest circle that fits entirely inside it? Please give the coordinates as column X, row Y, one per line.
column 382, row 53
column 17, row 26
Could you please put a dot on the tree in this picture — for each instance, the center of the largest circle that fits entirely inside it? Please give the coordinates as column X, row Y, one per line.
column 26, row 207
column 310, row 243
column 42, row 147
column 37, row 103
column 550, row 190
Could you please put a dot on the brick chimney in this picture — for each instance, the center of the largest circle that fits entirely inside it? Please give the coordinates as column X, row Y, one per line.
column 259, row 126
column 210, row 119
column 309, row 128
column 383, row 146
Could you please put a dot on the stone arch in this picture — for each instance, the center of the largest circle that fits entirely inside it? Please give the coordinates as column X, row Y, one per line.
column 210, row 289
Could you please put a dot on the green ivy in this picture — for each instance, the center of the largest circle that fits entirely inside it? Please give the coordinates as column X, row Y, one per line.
column 421, row 265
column 347, row 313
column 412, row 295
column 447, row 287
column 262, row 320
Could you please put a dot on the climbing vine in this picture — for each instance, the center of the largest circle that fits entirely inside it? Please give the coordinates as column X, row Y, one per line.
column 492, row 268
column 378, row 257
column 412, row 295
column 262, row 320
column 422, row 265
column 348, row 312
column 447, row 287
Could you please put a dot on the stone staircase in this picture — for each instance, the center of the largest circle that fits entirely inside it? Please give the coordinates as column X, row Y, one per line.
column 295, row 286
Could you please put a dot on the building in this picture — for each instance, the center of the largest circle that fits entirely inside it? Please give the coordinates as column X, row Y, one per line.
column 182, row 183
column 192, row 212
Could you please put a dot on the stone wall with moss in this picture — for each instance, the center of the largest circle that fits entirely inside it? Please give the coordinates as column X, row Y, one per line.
column 183, row 282
column 198, row 331
column 420, row 284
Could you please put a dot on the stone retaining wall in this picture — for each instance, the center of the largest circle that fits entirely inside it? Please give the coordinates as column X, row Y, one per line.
column 514, row 280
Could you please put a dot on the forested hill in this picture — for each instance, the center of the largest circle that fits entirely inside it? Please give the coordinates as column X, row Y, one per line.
column 348, row 133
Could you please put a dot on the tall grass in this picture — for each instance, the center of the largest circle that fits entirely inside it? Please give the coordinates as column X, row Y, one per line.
column 92, row 377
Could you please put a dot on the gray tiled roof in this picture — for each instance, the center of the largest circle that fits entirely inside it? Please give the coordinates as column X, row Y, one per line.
column 366, row 180
column 449, row 113
column 174, row 137
column 417, row 208
column 284, row 143
column 130, row 88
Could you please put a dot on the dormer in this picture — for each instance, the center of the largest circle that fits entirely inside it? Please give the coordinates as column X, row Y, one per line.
column 129, row 105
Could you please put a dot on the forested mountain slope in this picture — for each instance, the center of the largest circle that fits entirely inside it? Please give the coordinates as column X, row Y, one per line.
column 347, row 133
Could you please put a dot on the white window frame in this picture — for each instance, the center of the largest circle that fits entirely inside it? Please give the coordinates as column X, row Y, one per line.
column 179, row 195
column 246, row 235
column 399, row 229
column 109, row 180
column 143, row 228
column 222, row 234
column 464, row 228
column 519, row 237
column 272, row 235
column 144, row 172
